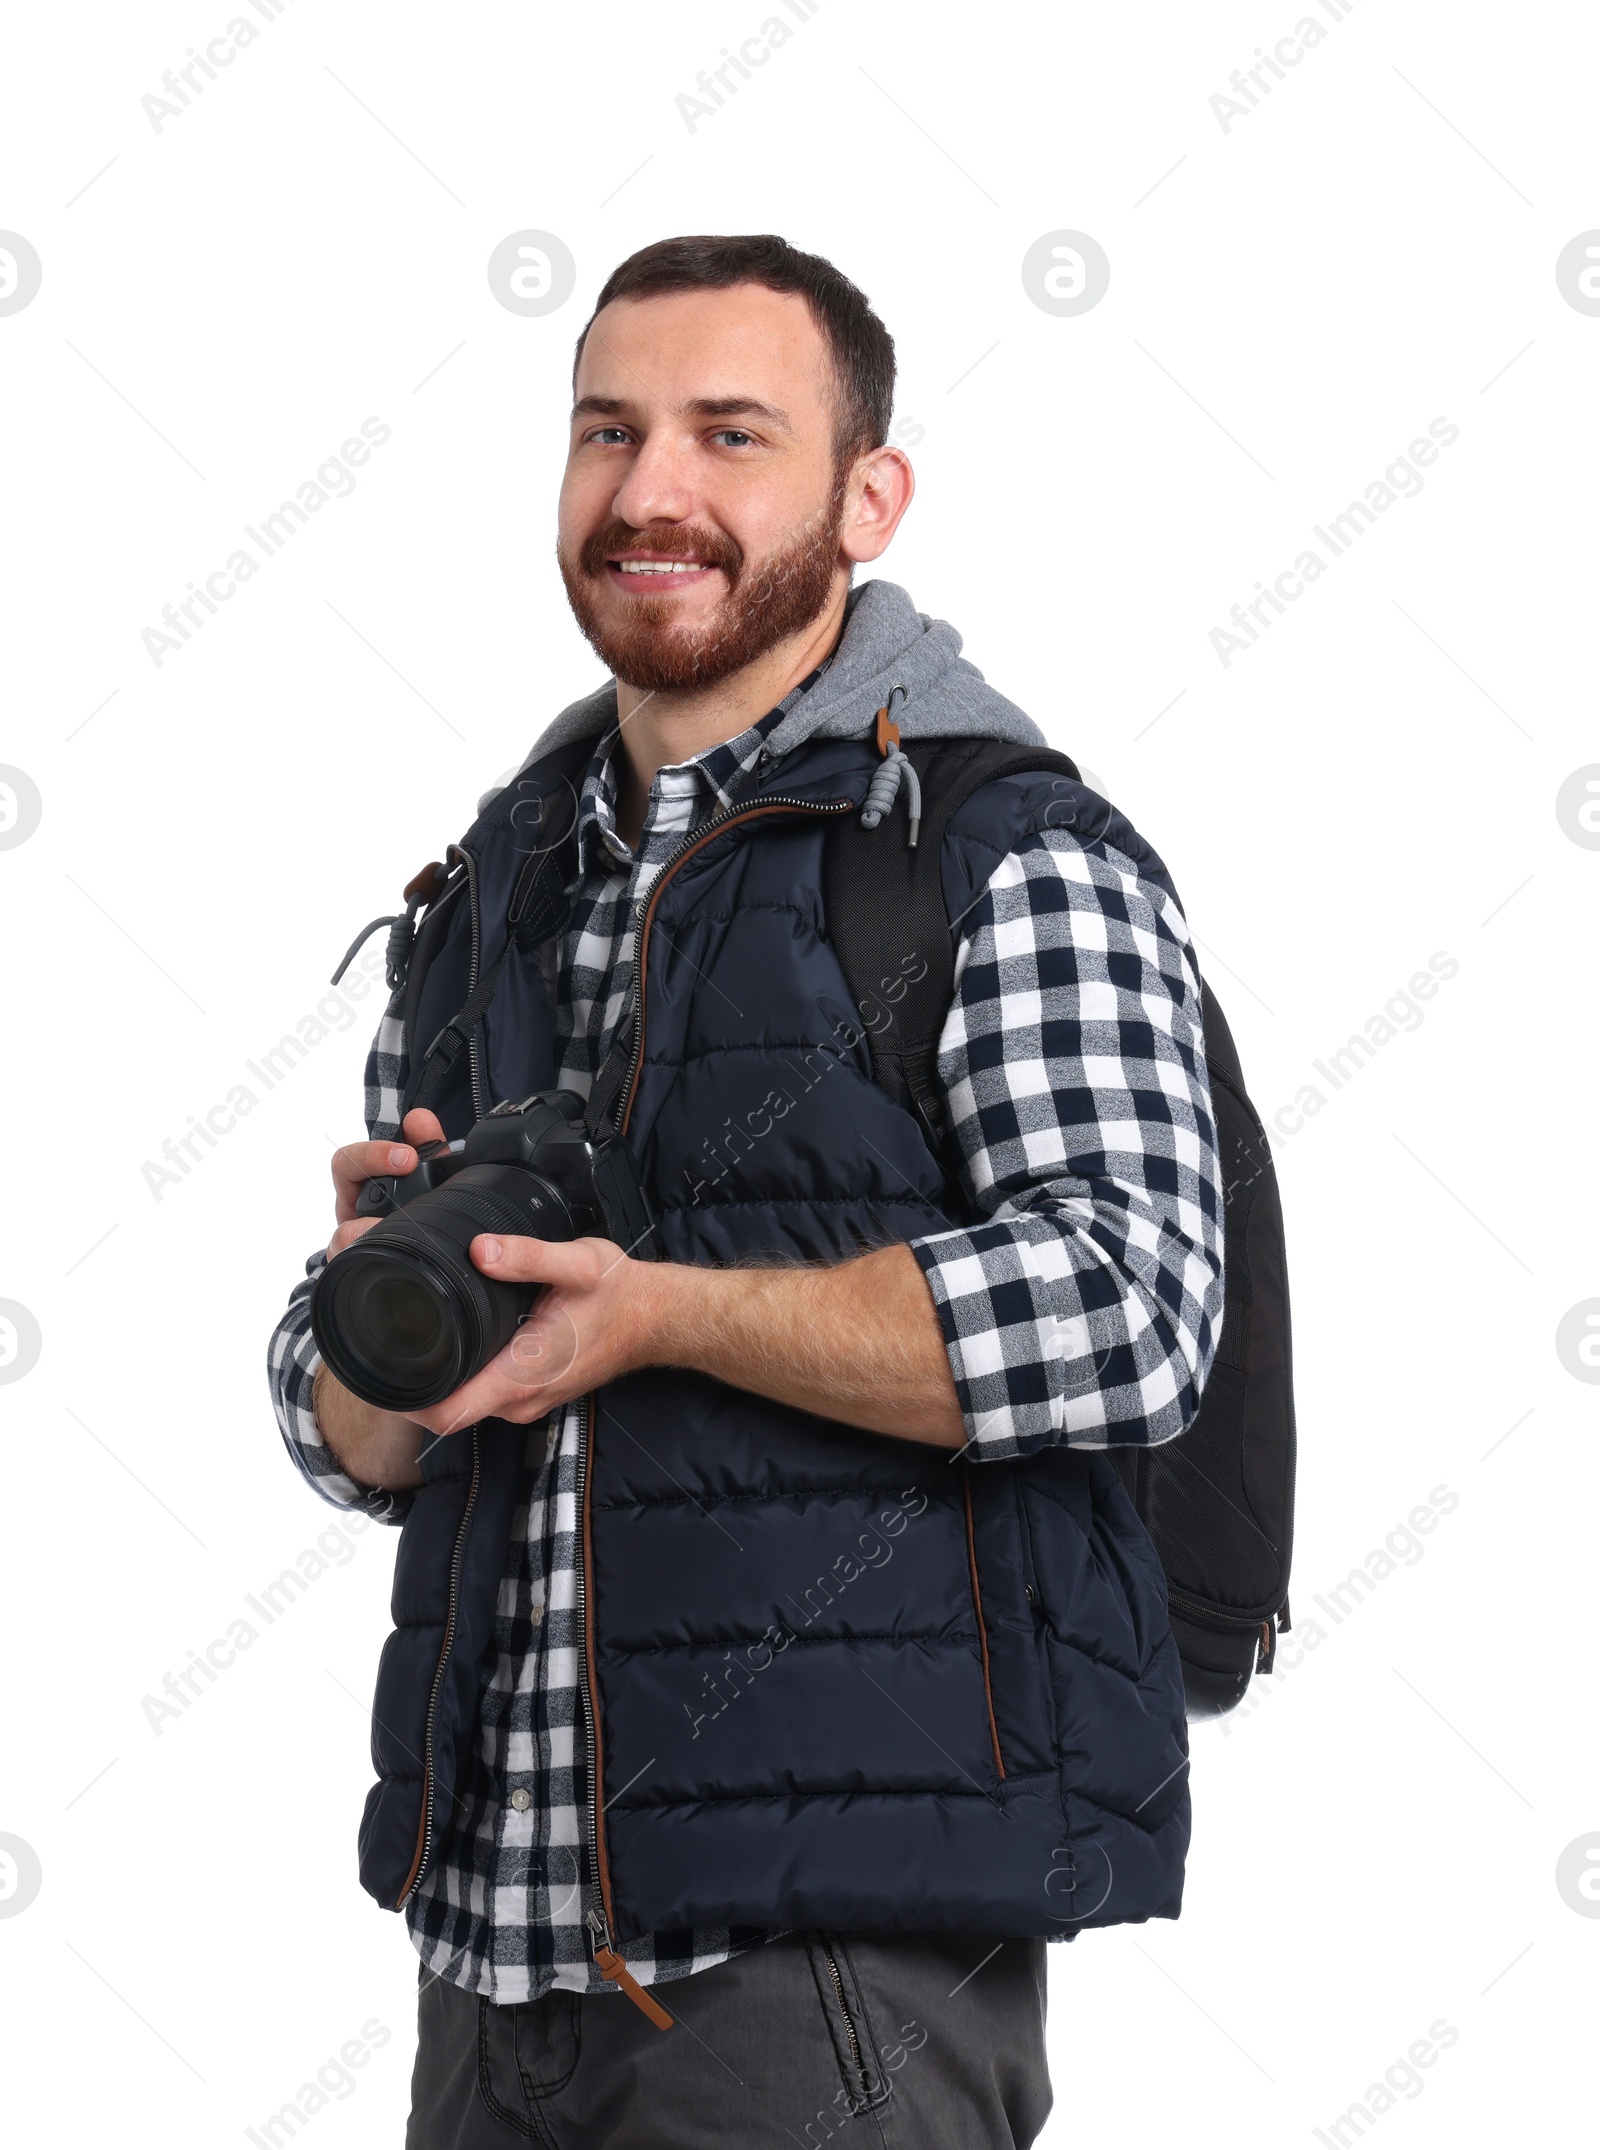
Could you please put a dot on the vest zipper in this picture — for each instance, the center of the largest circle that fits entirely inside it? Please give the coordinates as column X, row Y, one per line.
column 608, row 1961
column 424, row 1849
column 599, row 1920
column 647, row 911
column 851, row 2037
column 599, row 1875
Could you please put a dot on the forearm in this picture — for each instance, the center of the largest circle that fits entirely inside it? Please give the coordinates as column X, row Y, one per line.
column 858, row 1341
column 376, row 1448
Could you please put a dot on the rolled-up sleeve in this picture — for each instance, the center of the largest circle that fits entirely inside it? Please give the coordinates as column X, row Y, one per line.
column 1083, row 1306
column 292, row 1355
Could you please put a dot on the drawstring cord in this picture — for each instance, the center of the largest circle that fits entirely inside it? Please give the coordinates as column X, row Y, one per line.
column 402, row 930
column 887, row 777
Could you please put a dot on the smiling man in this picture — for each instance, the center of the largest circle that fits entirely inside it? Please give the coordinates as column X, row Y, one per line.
column 778, row 1662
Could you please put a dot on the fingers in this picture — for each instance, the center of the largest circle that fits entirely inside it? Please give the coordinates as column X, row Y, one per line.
column 579, row 1264
column 532, row 1375
column 349, row 1232
column 516, row 1387
column 540, row 1368
column 359, row 1162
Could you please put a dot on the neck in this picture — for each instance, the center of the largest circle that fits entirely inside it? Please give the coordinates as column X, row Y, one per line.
column 660, row 728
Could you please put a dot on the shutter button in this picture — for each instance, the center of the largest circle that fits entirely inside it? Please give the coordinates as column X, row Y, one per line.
column 522, row 1799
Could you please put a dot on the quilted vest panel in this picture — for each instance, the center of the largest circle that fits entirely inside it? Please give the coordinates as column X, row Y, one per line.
column 835, row 1679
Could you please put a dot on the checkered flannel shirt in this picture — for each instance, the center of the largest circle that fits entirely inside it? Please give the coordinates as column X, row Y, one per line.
column 1083, row 1309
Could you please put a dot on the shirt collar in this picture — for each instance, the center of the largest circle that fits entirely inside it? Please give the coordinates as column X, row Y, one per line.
column 716, row 771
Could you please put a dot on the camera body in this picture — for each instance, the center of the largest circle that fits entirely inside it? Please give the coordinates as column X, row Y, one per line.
column 586, row 1186
column 403, row 1317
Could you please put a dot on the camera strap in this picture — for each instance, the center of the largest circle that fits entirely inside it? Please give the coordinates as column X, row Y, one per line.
column 453, row 1040
column 538, row 910
column 600, row 1113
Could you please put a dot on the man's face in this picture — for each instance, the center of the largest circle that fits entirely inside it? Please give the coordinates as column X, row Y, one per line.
column 701, row 509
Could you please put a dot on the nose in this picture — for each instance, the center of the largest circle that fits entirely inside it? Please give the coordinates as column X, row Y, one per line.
column 657, row 488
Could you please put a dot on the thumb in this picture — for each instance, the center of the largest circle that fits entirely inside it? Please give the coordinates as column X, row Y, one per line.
column 577, row 1263
column 422, row 1126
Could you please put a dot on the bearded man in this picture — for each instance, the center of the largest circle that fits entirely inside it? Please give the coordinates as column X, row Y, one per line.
column 778, row 1661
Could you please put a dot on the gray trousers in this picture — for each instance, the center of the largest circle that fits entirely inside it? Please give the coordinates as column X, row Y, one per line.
column 913, row 2040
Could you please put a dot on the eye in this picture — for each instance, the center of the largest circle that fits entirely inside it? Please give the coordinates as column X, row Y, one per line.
column 734, row 437
column 609, row 436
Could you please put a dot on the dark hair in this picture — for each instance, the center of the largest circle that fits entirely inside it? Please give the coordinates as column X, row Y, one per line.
column 860, row 346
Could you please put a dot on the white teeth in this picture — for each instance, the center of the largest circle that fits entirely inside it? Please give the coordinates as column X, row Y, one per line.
column 658, row 567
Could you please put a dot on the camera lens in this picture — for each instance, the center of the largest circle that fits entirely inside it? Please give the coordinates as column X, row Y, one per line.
column 404, row 1316
column 401, row 1320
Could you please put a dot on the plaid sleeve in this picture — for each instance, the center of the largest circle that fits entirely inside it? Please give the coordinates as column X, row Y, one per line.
column 1085, row 1307
column 292, row 1356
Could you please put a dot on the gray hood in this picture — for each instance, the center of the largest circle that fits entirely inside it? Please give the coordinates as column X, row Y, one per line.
column 886, row 643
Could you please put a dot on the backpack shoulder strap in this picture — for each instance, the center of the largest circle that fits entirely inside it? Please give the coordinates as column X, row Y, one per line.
column 538, row 910
column 888, row 921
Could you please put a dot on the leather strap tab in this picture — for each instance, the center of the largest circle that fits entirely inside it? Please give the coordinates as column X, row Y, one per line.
column 427, row 884
column 610, row 1965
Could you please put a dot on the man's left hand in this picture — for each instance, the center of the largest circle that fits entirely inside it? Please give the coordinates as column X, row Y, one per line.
column 592, row 1322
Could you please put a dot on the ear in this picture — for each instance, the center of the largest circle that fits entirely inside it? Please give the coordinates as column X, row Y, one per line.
column 879, row 492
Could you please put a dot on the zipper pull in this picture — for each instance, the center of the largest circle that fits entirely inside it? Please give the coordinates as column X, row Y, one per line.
column 611, row 1966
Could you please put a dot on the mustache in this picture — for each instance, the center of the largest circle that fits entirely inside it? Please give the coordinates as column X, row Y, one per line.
column 672, row 540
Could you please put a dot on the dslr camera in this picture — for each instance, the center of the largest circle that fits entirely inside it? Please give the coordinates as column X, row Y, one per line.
column 404, row 1317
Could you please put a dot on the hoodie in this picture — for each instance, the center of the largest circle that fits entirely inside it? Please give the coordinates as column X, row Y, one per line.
column 886, row 643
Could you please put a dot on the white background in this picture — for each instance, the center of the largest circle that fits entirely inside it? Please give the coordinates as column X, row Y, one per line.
column 1292, row 301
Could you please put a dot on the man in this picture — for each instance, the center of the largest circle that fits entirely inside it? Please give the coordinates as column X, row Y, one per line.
column 775, row 1646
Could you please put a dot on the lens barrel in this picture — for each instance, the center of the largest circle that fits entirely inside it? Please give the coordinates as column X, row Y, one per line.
column 404, row 1317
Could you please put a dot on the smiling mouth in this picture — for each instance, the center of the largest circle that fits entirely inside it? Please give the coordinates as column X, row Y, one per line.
column 654, row 567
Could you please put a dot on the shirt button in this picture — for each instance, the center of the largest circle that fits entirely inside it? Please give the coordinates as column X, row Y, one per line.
column 522, row 1799
column 536, row 1614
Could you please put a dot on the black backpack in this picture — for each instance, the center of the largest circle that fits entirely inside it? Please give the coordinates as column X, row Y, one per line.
column 1219, row 1500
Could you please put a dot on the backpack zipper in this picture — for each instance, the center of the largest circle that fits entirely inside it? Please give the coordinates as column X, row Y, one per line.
column 851, row 2037
column 419, row 1863
column 1223, row 1618
column 474, row 1055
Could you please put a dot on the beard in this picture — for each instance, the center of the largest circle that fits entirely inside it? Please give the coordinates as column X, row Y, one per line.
column 768, row 600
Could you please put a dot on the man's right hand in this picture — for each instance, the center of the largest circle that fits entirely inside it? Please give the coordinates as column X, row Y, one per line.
column 376, row 1448
column 359, row 1162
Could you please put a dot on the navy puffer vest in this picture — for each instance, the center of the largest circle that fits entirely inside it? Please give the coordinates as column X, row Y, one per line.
column 832, row 1679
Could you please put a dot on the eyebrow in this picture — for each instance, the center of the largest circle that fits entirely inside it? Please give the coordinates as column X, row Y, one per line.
column 698, row 407
column 739, row 407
